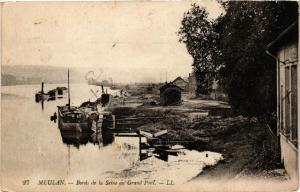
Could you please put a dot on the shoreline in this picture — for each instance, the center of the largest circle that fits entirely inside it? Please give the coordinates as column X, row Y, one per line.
column 238, row 139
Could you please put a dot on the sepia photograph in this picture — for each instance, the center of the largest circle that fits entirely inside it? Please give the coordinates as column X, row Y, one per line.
column 149, row 96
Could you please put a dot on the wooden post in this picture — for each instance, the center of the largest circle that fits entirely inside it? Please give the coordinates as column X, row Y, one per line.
column 113, row 118
column 140, row 150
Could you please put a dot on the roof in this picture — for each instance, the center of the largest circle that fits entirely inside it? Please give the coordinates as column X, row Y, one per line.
column 179, row 78
column 169, row 85
column 285, row 35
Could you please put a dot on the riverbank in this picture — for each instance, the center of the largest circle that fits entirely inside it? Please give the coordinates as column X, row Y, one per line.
column 245, row 144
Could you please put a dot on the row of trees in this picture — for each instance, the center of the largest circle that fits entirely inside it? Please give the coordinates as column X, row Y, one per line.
column 231, row 49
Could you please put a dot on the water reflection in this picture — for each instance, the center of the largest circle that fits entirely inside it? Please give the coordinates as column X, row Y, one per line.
column 42, row 100
column 77, row 138
column 105, row 137
column 162, row 152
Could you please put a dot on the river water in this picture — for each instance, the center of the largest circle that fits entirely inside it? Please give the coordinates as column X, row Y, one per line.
column 32, row 148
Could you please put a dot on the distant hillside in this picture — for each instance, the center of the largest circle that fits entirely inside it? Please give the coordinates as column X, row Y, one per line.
column 20, row 74
column 29, row 74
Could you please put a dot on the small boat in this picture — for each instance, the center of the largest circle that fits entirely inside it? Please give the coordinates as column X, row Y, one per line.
column 60, row 90
column 52, row 93
column 41, row 95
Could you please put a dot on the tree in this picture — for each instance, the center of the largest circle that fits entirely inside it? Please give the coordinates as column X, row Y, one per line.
column 249, row 74
column 197, row 33
column 232, row 49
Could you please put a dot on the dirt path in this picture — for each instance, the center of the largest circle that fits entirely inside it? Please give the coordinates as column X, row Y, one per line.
column 247, row 153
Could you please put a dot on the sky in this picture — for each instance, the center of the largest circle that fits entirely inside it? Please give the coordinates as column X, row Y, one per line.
column 137, row 37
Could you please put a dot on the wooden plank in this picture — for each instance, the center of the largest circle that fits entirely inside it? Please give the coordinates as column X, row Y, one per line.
column 160, row 133
column 127, row 135
column 129, row 123
column 137, row 118
column 146, row 134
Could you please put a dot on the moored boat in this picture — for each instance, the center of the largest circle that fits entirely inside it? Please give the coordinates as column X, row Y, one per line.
column 72, row 118
column 41, row 95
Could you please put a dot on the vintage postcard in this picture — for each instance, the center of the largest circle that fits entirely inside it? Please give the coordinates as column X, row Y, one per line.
column 150, row 96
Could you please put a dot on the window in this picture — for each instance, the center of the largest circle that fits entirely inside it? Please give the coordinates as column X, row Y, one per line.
column 288, row 94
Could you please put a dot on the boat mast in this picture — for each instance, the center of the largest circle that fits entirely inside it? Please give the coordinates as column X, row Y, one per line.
column 69, row 100
column 42, row 90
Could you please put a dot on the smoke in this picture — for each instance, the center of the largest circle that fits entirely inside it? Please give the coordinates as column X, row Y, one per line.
column 92, row 75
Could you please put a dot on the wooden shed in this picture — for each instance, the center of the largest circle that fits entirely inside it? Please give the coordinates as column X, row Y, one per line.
column 284, row 49
column 180, row 82
column 170, row 94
